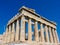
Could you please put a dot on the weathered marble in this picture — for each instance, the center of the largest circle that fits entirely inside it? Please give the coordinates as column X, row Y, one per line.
column 16, row 29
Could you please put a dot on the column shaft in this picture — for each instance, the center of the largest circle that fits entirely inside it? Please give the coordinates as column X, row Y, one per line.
column 36, row 32
column 47, row 36
column 29, row 30
column 4, row 38
column 17, row 31
column 42, row 33
column 54, row 38
column 6, row 34
column 51, row 36
column 22, row 33
column 13, row 30
column 56, row 35
column 9, row 33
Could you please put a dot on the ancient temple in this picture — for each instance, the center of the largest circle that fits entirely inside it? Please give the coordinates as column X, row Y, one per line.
column 29, row 27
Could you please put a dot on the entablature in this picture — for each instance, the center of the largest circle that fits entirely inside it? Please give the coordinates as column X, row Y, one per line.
column 31, row 13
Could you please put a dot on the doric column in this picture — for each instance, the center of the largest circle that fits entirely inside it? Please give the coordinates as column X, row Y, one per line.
column 22, row 33
column 9, row 35
column 56, row 35
column 51, row 36
column 54, row 38
column 42, row 32
column 17, row 31
column 6, row 34
column 13, row 30
column 4, row 38
column 29, row 30
column 47, row 36
column 36, row 32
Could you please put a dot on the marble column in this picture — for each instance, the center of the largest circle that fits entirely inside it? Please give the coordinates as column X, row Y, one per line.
column 36, row 32
column 9, row 35
column 6, row 34
column 4, row 38
column 56, row 35
column 42, row 33
column 13, row 31
column 29, row 30
column 51, row 36
column 47, row 36
column 54, row 38
column 17, row 31
column 22, row 33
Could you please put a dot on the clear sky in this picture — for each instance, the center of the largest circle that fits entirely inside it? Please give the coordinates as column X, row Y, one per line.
column 49, row 9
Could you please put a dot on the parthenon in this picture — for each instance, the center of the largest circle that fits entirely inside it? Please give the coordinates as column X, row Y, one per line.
column 29, row 27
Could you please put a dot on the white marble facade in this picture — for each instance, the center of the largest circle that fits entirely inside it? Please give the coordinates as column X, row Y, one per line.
column 16, row 29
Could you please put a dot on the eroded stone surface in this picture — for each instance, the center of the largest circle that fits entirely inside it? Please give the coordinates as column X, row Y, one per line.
column 16, row 29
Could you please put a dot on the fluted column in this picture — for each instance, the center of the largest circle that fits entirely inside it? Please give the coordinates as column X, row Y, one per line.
column 17, row 31
column 56, row 35
column 42, row 33
column 9, row 35
column 29, row 30
column 47, row 36
column 4, row 38
column 54, row 38
column 36, row 32
column 13, row 30
column 22, row 33
column 6, row 34
column 51, row 36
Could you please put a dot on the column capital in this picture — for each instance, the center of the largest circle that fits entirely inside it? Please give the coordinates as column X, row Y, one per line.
column 35, row 21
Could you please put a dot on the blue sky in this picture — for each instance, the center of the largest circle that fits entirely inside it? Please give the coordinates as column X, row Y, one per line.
column 49, row 9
